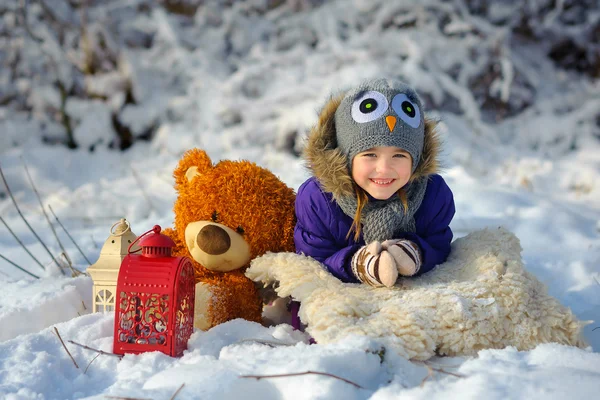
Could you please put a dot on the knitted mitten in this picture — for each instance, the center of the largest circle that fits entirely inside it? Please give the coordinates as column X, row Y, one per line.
column 374, row 266
column 406, row 254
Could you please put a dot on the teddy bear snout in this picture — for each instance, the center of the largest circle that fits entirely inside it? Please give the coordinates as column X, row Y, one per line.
column 213, row 240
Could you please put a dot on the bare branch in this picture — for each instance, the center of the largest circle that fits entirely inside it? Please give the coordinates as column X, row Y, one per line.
column 270, row 343
column 74, row 271
column 97, row 351
column 430, row 371
column 177, row 392
column 63, row 343
column 70, row 237
column 429, row 374
column 124, row 398
column 434, row 364
column 37, row 194
column 448, row 372
column 94, row 242
column 15, row 265
column 25, row 220
column 90, row 363
column 21, row 243
column 258, row 377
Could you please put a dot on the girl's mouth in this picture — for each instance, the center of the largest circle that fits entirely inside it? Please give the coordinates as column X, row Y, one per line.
column 382, row 182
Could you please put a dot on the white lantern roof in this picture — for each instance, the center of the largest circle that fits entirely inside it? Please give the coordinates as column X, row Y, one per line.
column 114, row 250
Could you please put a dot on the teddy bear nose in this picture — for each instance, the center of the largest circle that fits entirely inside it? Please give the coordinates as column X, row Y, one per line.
column 213, row 240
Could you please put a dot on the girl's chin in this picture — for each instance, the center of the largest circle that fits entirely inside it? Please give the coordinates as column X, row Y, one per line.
column 381, row 194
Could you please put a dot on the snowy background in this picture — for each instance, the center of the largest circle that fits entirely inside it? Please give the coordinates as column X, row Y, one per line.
column 100, row 98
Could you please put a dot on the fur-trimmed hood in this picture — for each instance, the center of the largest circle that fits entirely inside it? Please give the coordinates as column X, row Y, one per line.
column 330, row 166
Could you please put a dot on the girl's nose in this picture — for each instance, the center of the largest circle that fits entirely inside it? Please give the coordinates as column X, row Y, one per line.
column 383, row 164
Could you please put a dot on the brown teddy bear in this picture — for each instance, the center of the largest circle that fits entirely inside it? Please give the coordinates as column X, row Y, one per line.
column 226, row 215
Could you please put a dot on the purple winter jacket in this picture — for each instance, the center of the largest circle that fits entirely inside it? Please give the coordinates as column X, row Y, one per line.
column 322, row 227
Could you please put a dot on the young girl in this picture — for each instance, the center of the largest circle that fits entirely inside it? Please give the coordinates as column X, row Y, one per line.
column 375, row 207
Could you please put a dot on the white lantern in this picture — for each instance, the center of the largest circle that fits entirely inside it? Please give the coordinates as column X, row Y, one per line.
column 105, row 271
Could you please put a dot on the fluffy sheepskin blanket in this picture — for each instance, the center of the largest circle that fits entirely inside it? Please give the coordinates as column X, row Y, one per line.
column 480, row 298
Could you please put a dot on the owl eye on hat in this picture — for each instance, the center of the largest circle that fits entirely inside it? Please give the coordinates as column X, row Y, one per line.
column 380, row 113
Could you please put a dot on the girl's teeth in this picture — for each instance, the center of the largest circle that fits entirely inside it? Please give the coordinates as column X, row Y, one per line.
column 379, row 182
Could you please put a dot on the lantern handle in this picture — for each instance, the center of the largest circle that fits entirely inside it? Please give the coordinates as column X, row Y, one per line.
column 121, row 221
column 155, row 229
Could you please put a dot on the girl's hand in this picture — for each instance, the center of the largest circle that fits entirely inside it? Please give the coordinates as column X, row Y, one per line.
column 406, row 255
column 374, row 266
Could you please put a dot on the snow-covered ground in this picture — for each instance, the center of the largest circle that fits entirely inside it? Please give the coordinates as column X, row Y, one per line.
column 522, row 141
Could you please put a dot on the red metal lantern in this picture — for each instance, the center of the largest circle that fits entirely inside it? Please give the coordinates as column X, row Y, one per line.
column 155, row 299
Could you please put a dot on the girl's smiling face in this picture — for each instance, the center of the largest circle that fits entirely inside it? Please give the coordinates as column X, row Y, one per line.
column 382, row 171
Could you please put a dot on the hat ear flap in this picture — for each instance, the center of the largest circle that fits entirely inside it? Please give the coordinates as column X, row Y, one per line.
column 195, row 162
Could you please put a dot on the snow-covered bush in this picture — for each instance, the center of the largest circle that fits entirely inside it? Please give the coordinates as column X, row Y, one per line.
column 206, row 66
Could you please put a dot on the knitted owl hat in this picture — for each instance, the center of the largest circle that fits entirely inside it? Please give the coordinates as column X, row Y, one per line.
column 380, row 113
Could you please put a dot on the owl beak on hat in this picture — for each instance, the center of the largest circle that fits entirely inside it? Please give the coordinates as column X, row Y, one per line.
column 391, row 122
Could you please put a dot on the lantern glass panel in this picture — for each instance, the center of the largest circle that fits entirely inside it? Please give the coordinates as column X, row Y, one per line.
column 144, row 318
column 105, row 300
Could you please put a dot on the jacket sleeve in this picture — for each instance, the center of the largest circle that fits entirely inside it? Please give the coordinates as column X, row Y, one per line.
column 433, row 234
column 314, row 234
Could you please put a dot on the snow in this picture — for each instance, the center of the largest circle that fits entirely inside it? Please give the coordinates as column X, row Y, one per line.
column 246, row 79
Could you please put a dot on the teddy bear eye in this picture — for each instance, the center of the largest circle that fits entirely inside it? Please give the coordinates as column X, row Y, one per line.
column 240, row 230
column 214, row 216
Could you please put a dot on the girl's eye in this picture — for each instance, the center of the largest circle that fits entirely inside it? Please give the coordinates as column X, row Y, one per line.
column 369, row 155
column 400, row 155
column 369, row 106
column 407, row 110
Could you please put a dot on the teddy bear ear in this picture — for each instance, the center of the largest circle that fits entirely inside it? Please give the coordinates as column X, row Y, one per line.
column 193, row 163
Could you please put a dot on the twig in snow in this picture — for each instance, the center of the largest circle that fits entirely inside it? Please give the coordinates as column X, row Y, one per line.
column 430, row 371
column 596, row 279
column 177, row 392
column 428, row 362
column 443, row 371
column 63, row 343
column 139, row 182
column 429, row 375
column 74, row 271
column 21, row 243
column 271, row 343
column 37, row 194
column 97, row 351
column 24, row 220
column 124, row 398
column 90, row 363
column 258, row 377
column 15, row 265
column 70, row 237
